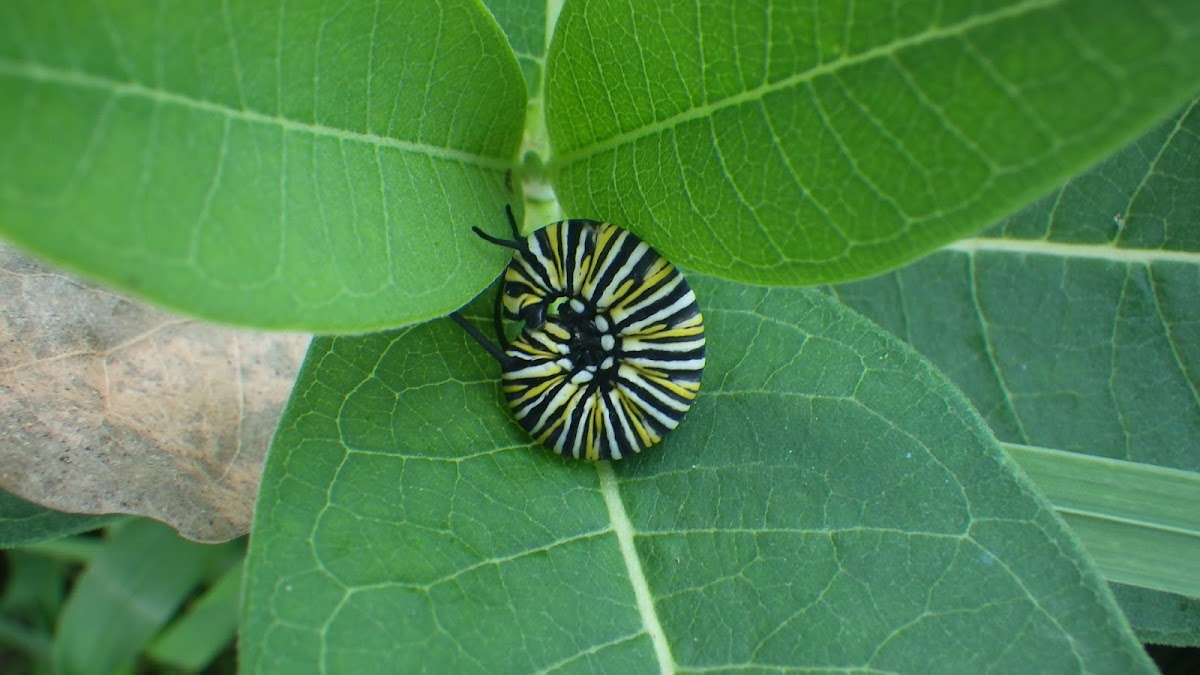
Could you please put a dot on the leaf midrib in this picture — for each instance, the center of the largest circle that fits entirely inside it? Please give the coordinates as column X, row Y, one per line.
column 37, row 72
column 1081, row 251
column 625, row 532
column 832, row 67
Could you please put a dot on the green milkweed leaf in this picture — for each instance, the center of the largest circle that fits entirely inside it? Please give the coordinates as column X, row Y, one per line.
column 1071, row 325
column 285, row 165
column 829, row 502
column 1160, row 618
column 801, row 143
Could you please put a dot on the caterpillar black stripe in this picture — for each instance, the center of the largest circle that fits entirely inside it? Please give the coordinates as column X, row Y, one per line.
column 612, row 348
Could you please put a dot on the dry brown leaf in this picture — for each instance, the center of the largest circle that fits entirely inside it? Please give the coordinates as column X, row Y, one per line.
column 108, row 405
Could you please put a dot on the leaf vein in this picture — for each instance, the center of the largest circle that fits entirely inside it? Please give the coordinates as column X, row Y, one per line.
column 70, row 78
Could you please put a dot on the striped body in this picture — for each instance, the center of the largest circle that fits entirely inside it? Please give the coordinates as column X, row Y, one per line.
column 611, row 353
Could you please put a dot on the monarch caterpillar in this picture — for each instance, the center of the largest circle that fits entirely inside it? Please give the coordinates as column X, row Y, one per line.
column 612, row 349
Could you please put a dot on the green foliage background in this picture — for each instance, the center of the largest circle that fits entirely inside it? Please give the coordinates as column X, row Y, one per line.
column 834, row 500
